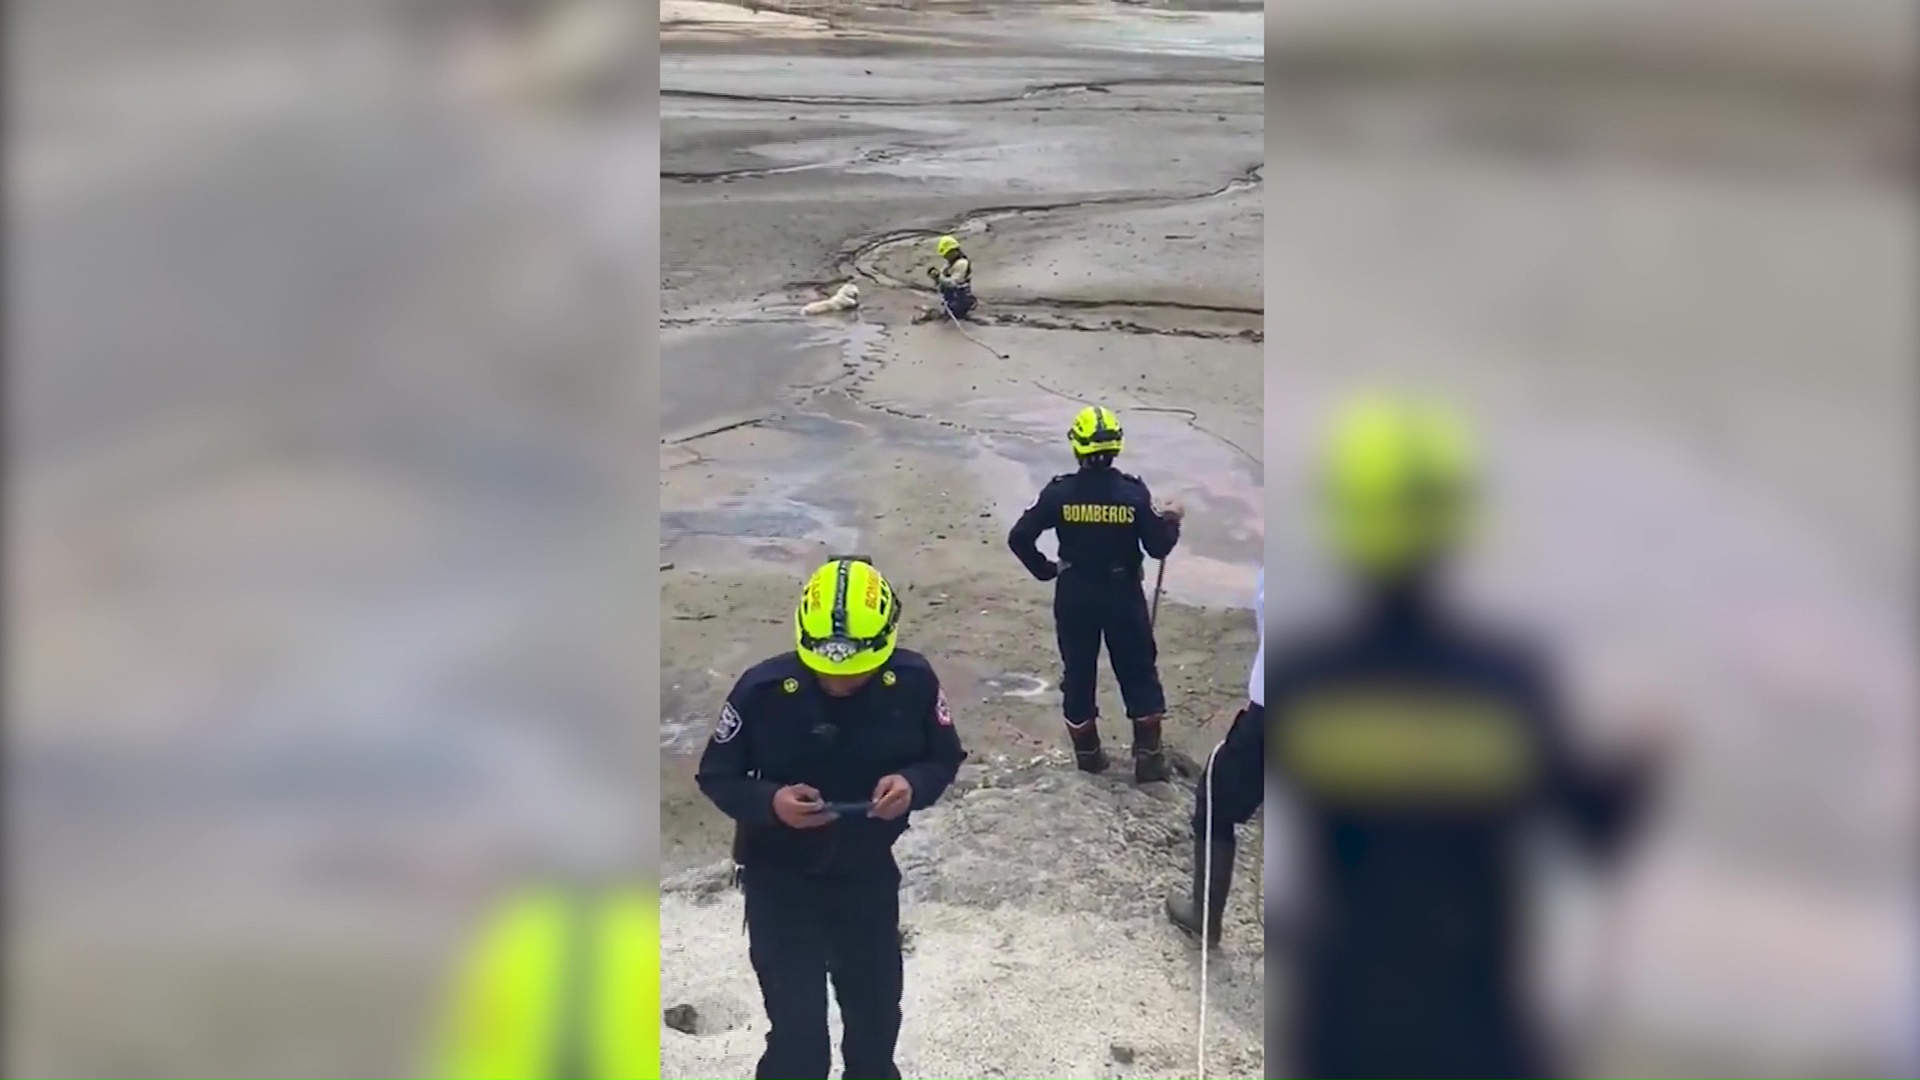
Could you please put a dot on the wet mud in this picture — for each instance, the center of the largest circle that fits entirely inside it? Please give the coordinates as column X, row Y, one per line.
column 786, row 174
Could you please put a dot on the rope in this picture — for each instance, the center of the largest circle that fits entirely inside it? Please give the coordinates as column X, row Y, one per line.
column 1191, row 417
column 955, row 320
column 1205, row 900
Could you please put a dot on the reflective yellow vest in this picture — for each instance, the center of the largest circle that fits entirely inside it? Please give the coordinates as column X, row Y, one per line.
column 563, row 984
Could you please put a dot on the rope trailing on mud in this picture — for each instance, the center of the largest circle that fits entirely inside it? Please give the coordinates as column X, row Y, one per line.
column 1191, row 417
column 955, row 320
column 1206, row 911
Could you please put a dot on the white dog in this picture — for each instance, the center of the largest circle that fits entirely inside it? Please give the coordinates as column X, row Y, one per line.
column 846, row 298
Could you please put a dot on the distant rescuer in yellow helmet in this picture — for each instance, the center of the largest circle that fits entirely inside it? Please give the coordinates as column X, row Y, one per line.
column 1107, row 526
column 562, row 982
column 953, row 277
column 819, row 755
column 1415, row 748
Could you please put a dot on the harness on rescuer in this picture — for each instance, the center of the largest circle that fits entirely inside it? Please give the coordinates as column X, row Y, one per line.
column 953, row 277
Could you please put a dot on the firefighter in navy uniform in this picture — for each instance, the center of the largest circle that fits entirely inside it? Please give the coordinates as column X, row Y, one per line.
column 1413, row 749
column 1104, row 520
column 845, row 718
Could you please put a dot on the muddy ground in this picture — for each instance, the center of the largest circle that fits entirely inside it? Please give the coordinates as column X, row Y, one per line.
column 1111, row 203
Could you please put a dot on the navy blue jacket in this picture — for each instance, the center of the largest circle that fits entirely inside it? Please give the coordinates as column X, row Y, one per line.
column 778, row 727
column 1104, row 520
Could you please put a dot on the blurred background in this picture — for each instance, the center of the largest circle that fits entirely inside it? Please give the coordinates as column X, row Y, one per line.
column 327, row 610
column 1662, row 251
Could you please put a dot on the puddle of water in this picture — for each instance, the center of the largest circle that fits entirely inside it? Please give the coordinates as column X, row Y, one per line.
column 711, row 375
column 798, row 498
column 1016, row 685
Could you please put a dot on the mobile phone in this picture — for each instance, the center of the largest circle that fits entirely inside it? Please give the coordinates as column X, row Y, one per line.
column 849, row 809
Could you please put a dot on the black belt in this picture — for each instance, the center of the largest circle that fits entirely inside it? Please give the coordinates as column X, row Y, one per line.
column 1137, row 571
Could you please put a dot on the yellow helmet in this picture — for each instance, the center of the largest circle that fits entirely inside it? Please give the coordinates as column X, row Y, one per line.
column 946, row 246
column 512, row 1015
column 848, row 618
column 1398, row 483
column 1096, row 430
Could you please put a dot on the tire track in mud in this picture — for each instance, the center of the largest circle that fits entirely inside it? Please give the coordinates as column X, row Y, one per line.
column 858, row 371
column 850, row 381
column 1043, row 90
column 1037, row 313
column 879, row 155
column 859, row 261
column 1251, row 177
column 1124, row 325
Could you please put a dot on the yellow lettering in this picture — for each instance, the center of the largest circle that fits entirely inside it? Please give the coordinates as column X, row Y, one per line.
column 1096, row 514
column 1377, row 748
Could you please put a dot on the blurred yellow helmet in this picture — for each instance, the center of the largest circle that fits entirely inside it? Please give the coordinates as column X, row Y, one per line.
column 848, row 619
column 561, row 982
column 1398, row 482
column 1096, row 430
column 946, row 246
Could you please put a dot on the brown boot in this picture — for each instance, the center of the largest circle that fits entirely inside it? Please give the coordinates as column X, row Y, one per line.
column 1149, row 761
column 1088, row 755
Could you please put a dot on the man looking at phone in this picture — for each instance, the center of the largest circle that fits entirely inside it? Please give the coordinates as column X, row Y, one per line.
column 819, row 755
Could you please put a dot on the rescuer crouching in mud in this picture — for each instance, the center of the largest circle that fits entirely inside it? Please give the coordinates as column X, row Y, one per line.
column 819, row 755
column 1107, row 526
column 1413, row 748
column 954, row 278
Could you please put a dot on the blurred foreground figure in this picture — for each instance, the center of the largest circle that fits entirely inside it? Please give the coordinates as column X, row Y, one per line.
column 1416, row 747
column 563, row 984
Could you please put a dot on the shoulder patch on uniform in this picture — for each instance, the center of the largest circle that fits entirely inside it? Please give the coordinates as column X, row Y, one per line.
column 791, row 686
column 940, row 710
column 888, row 678
column 727, row 725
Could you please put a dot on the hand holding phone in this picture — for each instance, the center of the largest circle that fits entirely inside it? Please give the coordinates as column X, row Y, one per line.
column 799, row 806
